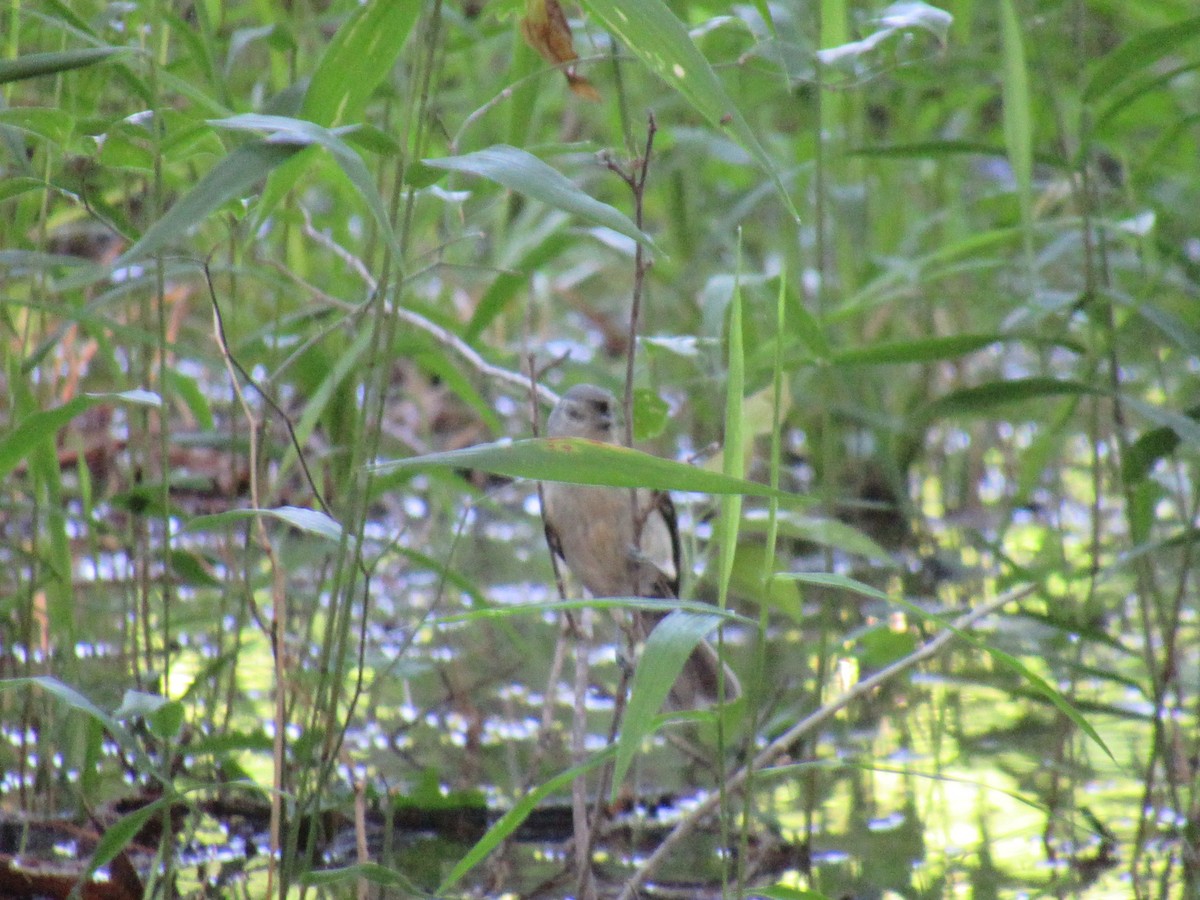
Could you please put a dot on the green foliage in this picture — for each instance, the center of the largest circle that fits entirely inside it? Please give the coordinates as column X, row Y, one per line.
column 919, row 323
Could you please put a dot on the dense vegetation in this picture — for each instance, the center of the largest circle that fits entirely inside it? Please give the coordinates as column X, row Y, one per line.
column 907, row 303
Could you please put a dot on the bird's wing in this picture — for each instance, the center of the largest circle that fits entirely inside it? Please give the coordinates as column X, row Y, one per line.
column 553, row 539
column 660, row 545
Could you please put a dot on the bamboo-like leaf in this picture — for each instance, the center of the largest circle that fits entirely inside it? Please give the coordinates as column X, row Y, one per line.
column 33, row 65
column 523, row 172
column 44, row 122
column 78, row 702
column 986, row 397
column 373, row 873
column 46, row 423
column 359, row 57
column 290, row 132
column 121, row 833
column 892, row 23
column 579, row 461
column 667, row 650
column 826, row 532
column 785, row 892
column 1183, row 335
column 511, row 820
column 229, row 179
column 308, row 520
column 937, row 149
column 698, row 607
column 1139, row 52
column 917, row 351
column 1183, row 425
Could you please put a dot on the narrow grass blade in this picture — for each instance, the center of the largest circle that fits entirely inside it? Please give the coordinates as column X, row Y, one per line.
column 984, row 398
column 1139, row 52
column 33, row 65
column 1018, row 118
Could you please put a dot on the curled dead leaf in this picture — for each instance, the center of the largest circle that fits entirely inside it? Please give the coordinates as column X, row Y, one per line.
column 546, row 30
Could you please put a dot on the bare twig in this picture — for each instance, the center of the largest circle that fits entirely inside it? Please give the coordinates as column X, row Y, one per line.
column 278, row 585
column 443, row 336
column 233, row 366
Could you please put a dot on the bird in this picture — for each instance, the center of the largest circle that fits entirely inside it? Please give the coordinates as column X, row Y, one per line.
column 593, row 530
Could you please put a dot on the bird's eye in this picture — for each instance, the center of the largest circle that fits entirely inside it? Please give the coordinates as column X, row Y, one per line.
column 601, row 407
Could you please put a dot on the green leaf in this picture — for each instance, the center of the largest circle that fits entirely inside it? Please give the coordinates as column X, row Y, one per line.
column 188, row 568
column 292, row 132
column 1184, row 425
column 33, row 65
column 370, row 872
column 46, row 423
column 229, row 179
column 893, row 23
column 882, row 645
column 667, row 649
column 1139, row 52
column 823, row 531
column 523, row 172
column 917, row 351
column 511, row 820
column 986, row 397
column 44, row 122
column 167, row 722
column 665, row 607
column 1018, row 116
column 783, row 892
column 307, row 520
column 579, row 461
column 77, row 702
column 358, row 58
column 650, row 413
column 661, row 41
column 121, row 833
column 1180, row 332
column 936, row 149
column 188, row 389
column 1151, row 446
column 139, row 703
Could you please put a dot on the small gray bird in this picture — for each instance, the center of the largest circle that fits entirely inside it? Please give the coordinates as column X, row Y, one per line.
column 593, row 530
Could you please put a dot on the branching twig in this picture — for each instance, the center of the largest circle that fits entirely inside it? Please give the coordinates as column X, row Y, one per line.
column 278, row 586
column 233, row 365
column 443, row 336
